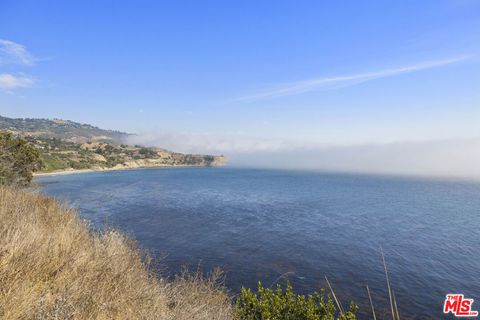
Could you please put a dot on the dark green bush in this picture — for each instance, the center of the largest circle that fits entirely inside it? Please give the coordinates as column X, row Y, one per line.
column 18, row 159
column 277, row 304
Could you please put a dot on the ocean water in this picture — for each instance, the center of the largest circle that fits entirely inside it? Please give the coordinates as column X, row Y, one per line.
column 273, row 225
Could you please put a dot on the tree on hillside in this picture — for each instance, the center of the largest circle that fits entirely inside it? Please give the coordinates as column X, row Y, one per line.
column 18, row 160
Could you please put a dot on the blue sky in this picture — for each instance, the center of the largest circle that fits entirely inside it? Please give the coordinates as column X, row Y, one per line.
column 247, row 74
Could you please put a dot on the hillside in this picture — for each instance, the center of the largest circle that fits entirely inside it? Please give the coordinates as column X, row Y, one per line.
column 61, row 129
column 68, row 145
column 54, row 267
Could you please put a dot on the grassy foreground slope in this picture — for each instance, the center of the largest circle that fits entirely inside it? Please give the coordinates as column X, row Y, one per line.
column 52, row 266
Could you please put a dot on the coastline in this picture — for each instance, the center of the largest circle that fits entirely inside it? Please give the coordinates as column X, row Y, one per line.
column 79, row 171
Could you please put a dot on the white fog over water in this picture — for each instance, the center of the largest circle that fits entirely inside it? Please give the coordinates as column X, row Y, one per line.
column 445, row 158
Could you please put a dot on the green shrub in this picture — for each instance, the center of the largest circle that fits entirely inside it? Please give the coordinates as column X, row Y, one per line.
column 18, row 159
column 277, row 304
column 52, row 162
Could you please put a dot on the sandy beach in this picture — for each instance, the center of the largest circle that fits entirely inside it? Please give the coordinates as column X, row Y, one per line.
column 78, row 171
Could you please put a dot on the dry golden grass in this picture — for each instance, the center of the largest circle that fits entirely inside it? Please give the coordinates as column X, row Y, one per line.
column 52, row 266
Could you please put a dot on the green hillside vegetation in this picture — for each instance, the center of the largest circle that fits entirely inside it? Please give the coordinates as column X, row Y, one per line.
column 60, row 129
column 59, row 154
column 68, row 145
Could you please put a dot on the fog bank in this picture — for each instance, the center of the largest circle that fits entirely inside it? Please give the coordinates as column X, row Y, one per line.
column 444, row 158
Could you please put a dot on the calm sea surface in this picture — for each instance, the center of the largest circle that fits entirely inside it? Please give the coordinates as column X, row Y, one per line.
column 273, row 225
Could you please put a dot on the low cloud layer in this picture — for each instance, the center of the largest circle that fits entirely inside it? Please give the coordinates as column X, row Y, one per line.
column 453, row 158
column 446, row 158
column 208, row 143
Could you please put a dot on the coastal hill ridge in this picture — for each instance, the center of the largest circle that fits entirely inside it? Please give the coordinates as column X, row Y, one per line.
column 71, row 146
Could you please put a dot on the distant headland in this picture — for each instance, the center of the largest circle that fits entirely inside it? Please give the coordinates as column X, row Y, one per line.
column 68, row 147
